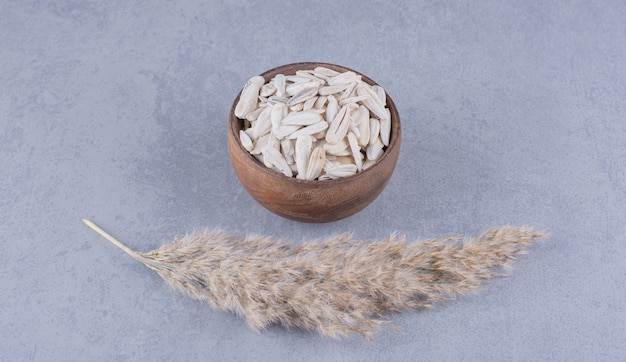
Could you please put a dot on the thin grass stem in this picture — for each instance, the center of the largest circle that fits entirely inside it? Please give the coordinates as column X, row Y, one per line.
column 110, row 238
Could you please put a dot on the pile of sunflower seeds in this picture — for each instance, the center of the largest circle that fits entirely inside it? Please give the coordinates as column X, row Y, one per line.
column 318, row 124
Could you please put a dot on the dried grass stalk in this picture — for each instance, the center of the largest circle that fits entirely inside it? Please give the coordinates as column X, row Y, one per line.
column 338, row 286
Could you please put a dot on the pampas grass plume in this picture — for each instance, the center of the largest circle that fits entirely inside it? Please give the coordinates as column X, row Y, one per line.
column 338, row 286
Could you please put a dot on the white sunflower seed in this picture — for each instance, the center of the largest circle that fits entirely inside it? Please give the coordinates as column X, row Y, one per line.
column 280, row 84
column 374, row 130
column 368, row 163
column 273, row 141
column 349, row 92
column 359, row 114
column 309, row 103
column 316, row 163
column 347, row 167
column 380, row 92
column 356, row 151
column 272, row 156
column 297, row 79
column 341, row 148
column 278, row 112
column 249, row 96
column 301, row 119
column 349, row 100
column 323, row 71
column 250, row 133
column 296, row 88
column 267, row 90
column 321, row 135
column 310, row 75
column 252, row 116
column 339, row 126
column 354, row 129
column 267, row 162
column 324, row 178
column 316, row 110
column 363, row 125
column 332, row 108
column 284, row 131
column 320, row 102
column 297, row 107
column 345, row 160
column 276, row 100
column 313, row 129
column 302, row 150
column 344, row 78
column 375, row 150
column 336, row 147
column 246, row 142
column 332, row 89
column 339, row 171
column 372, row 102
column 385, row 130
column 287, row 149
column 303, row 95
column 259, row 144
column 345, row 152
column 263, row 124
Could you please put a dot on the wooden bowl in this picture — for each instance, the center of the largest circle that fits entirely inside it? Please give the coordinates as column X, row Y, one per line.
column 305, row 200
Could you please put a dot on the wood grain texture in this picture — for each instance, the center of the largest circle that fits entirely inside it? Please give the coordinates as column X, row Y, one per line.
column 312, row 201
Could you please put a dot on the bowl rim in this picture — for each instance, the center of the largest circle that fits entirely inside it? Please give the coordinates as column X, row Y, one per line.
column 394, row 141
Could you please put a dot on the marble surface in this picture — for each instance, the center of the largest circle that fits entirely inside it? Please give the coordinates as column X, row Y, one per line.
column 513, row 113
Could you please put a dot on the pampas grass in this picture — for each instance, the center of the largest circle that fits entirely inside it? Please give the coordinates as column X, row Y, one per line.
column 338, row 286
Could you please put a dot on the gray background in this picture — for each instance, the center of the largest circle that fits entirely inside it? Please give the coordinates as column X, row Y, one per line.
column 513, row 113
